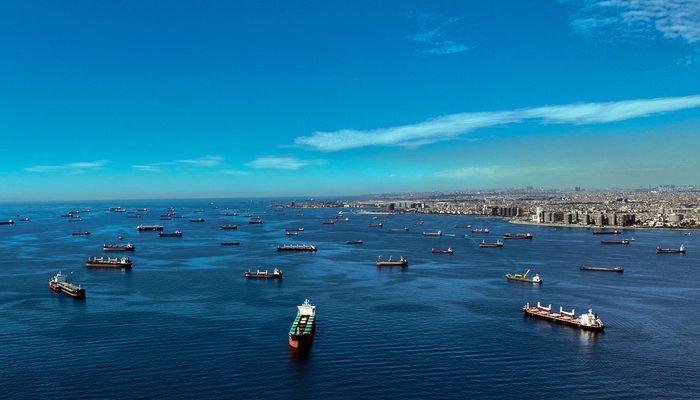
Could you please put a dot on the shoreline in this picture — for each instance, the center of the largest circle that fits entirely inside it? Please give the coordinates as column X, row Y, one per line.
column 647, row 228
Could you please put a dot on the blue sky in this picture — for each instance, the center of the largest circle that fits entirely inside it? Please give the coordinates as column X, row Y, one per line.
column 144, row 99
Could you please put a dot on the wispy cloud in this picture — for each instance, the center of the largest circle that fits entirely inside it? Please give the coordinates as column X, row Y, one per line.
column 288, row 163
column 207, row 161
column 495, row 172
column 451, row 126
column 673, row 19
column 433, row 35
column 76, row 167
column 235, row 172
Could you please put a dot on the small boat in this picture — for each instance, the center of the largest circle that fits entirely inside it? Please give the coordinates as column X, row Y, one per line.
column 379, row 225
column 255, row 221
column 118, row 247
column 8, row 222
column 228, row 227
column 449, row 250
column 149, row 228
column 680, row 250
column 390, row 262
column 86, row 233
column 59, row 283
column 613, row 232
column 523, row 277
column 230, row 243
column 588, row 321
column 404, row 229
column 480, row 230
column 291, row 233
column 602, row 269
column 301, row 333
column 296, row 247
column 518, row 236
column 436, row 233
column 258, row 274
column 107, row 262
column 328, row 222
column 497, row 243
column 170, row 234
column 623, row 241
column 354, row 242
column 197, row 220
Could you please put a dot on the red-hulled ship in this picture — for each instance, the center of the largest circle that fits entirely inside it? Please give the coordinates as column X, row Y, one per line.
column 449, row 250
column 59, row 283
column 518, row 236
column 147, row 228
column 118, row 247
column 107, row 262
column 301, row 333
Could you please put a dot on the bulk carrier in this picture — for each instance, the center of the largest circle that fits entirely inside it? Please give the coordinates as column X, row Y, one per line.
column 301, row 333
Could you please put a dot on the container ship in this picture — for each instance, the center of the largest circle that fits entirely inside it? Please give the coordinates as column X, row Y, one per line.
column 601, row 269
column 86, row 233
column 106, row 262
column 118, row 247
column 680, row 250
column 301, row 333
column 613, row 232
column 390, row 262
column 296, row 247
column 258, row 274
column 588, row 321
column 8, row 222
column 149, row 228
column 497, row 243
column 59, row 283
column 518, row 236
column 436, row 233
column 523, row 277
column 449, row 250
column 623, row 241
column 228, row 227
column 170, row 234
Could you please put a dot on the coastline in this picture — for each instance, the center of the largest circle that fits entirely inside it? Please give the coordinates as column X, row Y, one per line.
column 647, row 228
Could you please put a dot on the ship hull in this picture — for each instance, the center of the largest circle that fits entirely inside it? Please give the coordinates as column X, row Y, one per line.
column 107, row 265
column 302, row 342
column 510, row 278
column 77, row 294
column 560, row 319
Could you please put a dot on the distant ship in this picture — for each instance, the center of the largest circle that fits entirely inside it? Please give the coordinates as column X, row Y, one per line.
column 197, row 220
column 8, row 222
column 147, row 228
column 390, row 262
column 170, row 234
column 480, row 230
column 25, row 219
column 258, row 274
column 230, row 243
column 680, row 250
column 588, row 321
column 86, row 233
column 449, row 250
column 59, row 283
column 142, row 209
column 491, row 244
column 404, row 229
column 602, row 269
column 301, row 333
column 296, row 247
column 354, row 242
column 518, row 236
column 328, row 222
column 379, row 225
column 613, row 232
column 228, row 227
column 118, row 247
column 623, row 241
column 255, row 221
column 436, row 233
column 106, row 262
column 523, row 277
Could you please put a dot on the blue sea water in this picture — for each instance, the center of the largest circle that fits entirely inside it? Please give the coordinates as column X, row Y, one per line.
column 185, row 324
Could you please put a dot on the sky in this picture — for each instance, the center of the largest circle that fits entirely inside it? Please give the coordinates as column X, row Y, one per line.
column 146, row 99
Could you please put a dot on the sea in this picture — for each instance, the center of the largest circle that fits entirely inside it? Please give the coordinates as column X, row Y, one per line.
column 184, row 323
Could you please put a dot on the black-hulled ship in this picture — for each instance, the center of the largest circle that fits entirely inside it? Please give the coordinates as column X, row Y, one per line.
column 258, row 274
column 177, row 234
column 85, row 233
column 518, row 236
column 623, row 241
column 197, row 220
column 601, row 269
column 118, row 247
column 680, row 250
column 354, row 242
column 230, row 243
column 8, row 222
column 107, row 262
column 613, row 232
column 149, row 228
column 296, row 247
column 255, row 221
column 59, row 283
column 228, row 227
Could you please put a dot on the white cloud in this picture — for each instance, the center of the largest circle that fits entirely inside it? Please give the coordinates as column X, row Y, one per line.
column 435, row 37
column 288, row 163
column 673, row 19
column 452, row 126
column 234, row 172
column 495, row 171
column 207, row 161
column 76, row 167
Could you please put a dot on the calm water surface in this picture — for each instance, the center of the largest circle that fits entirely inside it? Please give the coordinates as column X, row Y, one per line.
column 185, row 324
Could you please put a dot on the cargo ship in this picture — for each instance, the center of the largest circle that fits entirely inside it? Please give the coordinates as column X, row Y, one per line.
column 518, row 236
column 601, row 269
column 613, row 232
column 523, row 277
column 197, row 220
column 623, row 241
column 149, row 228
column 449, row 250
column 680, row 250
column 118, row 247
column 59, row 283
column 328, row 222
column 86, row 233
column 228, row 227
column 142, row 209
column 497, row 243
column 436, row 233
column 230, row 243
column 107, row 262
column 588, row 321
column 170, row 234
column 390, row 262
column 404, row 229
column 301, row 334
column 255, row 221
column 296, row 247
column 379, row 225
column 258, row 274
column 8, row 222
column 354, row 242
column 480, row 230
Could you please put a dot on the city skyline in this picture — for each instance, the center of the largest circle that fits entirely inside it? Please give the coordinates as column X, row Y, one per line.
column 140, row 100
